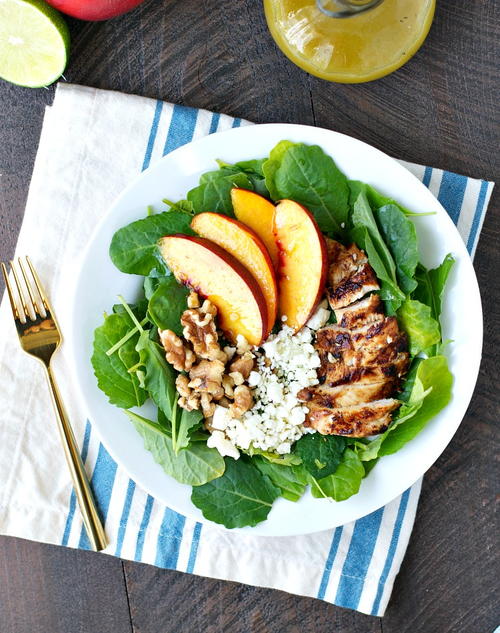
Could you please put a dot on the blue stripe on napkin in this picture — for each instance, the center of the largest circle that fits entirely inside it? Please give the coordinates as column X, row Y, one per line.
column 358, row 559
column 350, row 573
column 72, row 500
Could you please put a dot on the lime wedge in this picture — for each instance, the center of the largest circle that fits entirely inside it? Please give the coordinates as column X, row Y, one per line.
column 34, row 43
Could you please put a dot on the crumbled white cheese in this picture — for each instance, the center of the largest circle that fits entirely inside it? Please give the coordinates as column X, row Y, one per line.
column 320, row 317
column 220, row 419
column 285, row 364
column 225, row 447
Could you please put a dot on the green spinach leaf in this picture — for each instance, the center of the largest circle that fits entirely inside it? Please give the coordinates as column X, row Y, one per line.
column 431, row 284
column 133, row 248
column 254, row 172
column 159, row 376
column 214, row 191
column 113, row 378
column 400, row 235
column 344, row 482
column 271, row 165
column 290, row 459
column 195, row 465
column 374, row 197
column 417, row 321
column 309, row 176
column 167, row 303
column 182, row 206
column 435, row 380
column 242, row 496
column 320, row 454
column 290, row 480
column 390, row 292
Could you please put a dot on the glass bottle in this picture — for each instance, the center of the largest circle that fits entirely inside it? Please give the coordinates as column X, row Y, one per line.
column 349, row 41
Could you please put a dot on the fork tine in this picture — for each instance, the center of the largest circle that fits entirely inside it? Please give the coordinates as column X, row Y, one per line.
column 8, row 285
column 23, row 312
column 26, row 300
column 29, row 286
column 38, row 284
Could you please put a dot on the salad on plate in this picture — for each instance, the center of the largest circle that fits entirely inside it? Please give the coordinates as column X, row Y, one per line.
column 287, row 334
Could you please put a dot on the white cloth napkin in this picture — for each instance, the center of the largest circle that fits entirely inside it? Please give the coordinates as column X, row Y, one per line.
column 93, row 143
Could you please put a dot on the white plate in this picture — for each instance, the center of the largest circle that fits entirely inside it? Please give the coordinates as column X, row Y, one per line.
column 98, row 282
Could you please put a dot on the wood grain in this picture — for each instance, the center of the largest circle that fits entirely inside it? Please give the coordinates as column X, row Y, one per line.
column 47, row 589
column 440, row 109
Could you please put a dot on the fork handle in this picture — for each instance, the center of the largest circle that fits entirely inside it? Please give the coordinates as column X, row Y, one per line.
column 88, row 508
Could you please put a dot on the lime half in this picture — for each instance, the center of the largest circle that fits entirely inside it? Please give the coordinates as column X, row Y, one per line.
column 34, row 43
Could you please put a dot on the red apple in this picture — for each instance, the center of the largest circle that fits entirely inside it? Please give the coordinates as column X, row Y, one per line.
column 303, row 262
column 215, row 274
column 94, row 9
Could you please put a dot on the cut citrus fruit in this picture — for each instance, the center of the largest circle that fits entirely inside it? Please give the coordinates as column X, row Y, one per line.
column 34, row 43
column 355, row 49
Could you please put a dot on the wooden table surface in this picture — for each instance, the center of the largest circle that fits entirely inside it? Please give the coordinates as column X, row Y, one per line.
column 440, row 109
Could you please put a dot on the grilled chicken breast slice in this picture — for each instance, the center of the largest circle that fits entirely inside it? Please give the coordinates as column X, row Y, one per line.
column 367, row 310
column 350, row 276
column 353, row 288
column 333, row 371
column 361, row 420
column 373, row 344
column 347, row 395
column 363, row 356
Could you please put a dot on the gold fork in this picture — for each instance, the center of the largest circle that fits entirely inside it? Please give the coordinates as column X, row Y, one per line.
column 40, row 337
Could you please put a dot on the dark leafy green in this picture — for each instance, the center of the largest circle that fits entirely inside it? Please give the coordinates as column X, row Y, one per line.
column 253, row 171
column 133, row 248
column 431, row 284
column 167, row 303
column 113, row 378
column 374, row 197
column 344, row 482
column 309, row 176
column 417, row 321
column 320, row 454
column 159, row 376
column 214, row 191
column 291, row 480
column 400, row 236
column 432, row 374
column 270, row 166
column 242, row 496
column 194, row 466
column 183, row 206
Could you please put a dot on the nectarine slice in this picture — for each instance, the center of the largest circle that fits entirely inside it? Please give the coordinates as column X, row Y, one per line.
column 241, row 242
column 303, row 262
column 257, row 213
column 215, row 274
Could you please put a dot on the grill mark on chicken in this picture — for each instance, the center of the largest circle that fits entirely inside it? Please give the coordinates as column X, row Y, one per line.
column 364, row 356
column 333, row 371
column 368, row 310
column 360, row 420
column 353, row 287
column 347, row 395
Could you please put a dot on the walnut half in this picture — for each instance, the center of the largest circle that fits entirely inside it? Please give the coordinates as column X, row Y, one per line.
column 199, row 330
column 177, row 354
column 243, row 401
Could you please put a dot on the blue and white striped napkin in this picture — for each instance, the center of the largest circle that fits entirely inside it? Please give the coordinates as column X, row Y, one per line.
column 93, row 143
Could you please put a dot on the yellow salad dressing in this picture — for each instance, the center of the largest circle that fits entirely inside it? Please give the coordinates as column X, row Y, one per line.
column 353, row 49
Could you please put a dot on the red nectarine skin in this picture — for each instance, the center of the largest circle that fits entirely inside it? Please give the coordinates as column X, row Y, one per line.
column 214, row 273
column 303, row 262
column 246, row 246
column 257, row 213
column 94, row 10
